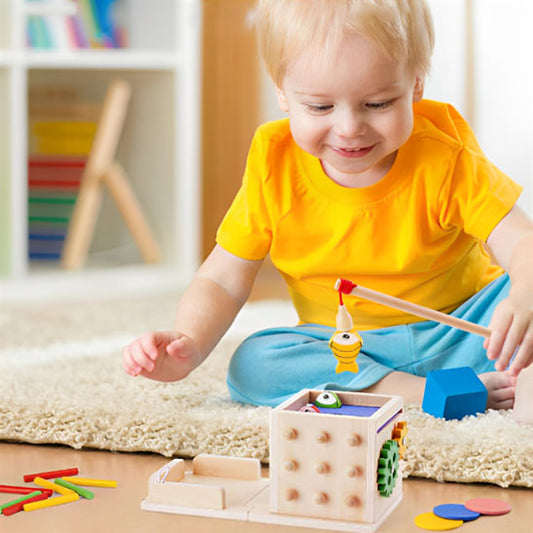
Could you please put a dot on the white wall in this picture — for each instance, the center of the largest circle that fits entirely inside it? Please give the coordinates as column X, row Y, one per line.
column 501, row 110
column 447, row 81
column 504, row 87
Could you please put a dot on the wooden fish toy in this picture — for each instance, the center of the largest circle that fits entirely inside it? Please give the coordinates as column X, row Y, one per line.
column 346, row 346
column 346, row 342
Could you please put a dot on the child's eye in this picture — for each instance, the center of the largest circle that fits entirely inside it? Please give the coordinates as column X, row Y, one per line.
column 379, row 105
column 318, row 108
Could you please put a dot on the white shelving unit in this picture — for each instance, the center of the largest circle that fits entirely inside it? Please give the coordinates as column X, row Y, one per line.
column 159, row 148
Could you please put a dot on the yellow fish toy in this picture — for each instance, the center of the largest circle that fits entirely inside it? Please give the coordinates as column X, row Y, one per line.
column 346, row 342
column 346, row 346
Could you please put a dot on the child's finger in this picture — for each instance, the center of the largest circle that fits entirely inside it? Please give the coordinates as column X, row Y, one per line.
column 518, row 338
column 512, row 341
column 524, row 355
column 131, row 370
column 150, row 344
column 140, row 357
column 499, row 326
column 178, row 348
column 129, row 365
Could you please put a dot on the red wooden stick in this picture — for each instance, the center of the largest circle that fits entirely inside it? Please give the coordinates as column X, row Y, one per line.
column 52, row 474
column 14, row 489
column 16, row 507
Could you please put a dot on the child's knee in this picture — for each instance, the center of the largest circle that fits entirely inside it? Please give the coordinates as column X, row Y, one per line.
column 268, row 367
column 249, row 373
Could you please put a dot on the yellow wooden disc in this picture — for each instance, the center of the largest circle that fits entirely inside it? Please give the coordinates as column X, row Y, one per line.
column 435, row 523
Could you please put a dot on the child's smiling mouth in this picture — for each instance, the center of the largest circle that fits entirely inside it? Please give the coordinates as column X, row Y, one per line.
column 352, row 153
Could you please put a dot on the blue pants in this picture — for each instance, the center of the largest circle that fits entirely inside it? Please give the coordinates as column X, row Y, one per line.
column 272, row 365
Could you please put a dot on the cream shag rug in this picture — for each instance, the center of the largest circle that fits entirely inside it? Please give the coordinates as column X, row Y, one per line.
column 61, row 382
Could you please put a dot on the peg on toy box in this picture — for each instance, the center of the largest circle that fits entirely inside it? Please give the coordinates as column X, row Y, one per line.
column 454, row 393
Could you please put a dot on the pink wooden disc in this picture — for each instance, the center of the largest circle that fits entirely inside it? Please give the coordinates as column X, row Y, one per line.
column 488, row 506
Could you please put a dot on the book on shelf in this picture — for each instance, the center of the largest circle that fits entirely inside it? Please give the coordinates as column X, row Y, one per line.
column 63, row 137
column 73, row 24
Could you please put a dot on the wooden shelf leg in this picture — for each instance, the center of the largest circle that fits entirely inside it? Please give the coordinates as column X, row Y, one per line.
column 117, row 182
column 82, row 225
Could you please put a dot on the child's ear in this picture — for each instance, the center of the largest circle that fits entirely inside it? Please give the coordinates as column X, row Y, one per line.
column 282, row 99
column 418, row 91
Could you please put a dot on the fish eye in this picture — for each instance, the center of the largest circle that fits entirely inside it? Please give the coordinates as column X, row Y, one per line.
column 345, row 335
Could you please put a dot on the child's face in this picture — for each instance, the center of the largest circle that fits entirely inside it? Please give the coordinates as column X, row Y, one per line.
column 353, row 112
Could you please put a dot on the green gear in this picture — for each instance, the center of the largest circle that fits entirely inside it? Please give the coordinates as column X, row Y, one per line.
column 388, row 463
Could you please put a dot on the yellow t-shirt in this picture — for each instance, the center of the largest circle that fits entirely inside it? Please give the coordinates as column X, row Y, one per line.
column 417, row 234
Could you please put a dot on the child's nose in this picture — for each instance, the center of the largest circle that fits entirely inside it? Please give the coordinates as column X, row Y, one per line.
column 351, row 124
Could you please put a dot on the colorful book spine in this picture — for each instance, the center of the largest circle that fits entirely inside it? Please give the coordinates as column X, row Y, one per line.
column 67, row 24
column 38, row 32
column 77, row 32
column 103, row 10
column 63, row 137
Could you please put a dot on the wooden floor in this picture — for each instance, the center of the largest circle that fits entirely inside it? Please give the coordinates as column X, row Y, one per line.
column 118, row 509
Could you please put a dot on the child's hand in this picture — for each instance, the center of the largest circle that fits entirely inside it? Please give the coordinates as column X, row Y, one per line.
column 512, row 330
column 161, row 355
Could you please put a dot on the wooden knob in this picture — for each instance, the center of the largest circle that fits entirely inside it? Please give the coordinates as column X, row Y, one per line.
column 353, row 501
column 320, row 498
column 291, row 466
column 354, row 471
column 291, row 495
column 322, row 437
column 291, row 434
column 322, row 468
column 355, row 440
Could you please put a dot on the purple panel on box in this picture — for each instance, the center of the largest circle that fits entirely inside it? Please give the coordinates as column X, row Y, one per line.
column 363, row 411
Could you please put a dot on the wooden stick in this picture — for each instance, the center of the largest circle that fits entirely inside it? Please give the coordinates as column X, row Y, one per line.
column 348, row 287
column 118, row 185
column 28, row 478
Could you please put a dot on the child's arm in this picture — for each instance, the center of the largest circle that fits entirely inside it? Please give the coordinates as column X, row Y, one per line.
column 511, row 242
column 206, row 310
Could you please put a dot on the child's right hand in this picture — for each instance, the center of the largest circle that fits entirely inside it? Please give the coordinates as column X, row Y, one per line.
column 161, row 355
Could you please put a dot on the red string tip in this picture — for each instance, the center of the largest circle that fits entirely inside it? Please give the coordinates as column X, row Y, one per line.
column 345, row 286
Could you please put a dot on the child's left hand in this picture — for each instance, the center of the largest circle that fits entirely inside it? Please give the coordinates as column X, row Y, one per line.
column 512, row 331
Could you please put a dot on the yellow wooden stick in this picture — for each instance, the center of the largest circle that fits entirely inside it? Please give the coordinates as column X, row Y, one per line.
column 51, row 502
column 86, row 482
column 54, row 486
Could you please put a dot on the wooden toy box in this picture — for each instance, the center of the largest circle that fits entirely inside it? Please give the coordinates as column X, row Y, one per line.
column 323, row 470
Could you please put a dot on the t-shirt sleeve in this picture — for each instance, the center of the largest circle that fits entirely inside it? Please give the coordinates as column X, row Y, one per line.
column 246, row 230
column 476, row 195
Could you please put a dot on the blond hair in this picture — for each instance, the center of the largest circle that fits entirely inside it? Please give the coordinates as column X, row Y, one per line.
column 403, row 29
